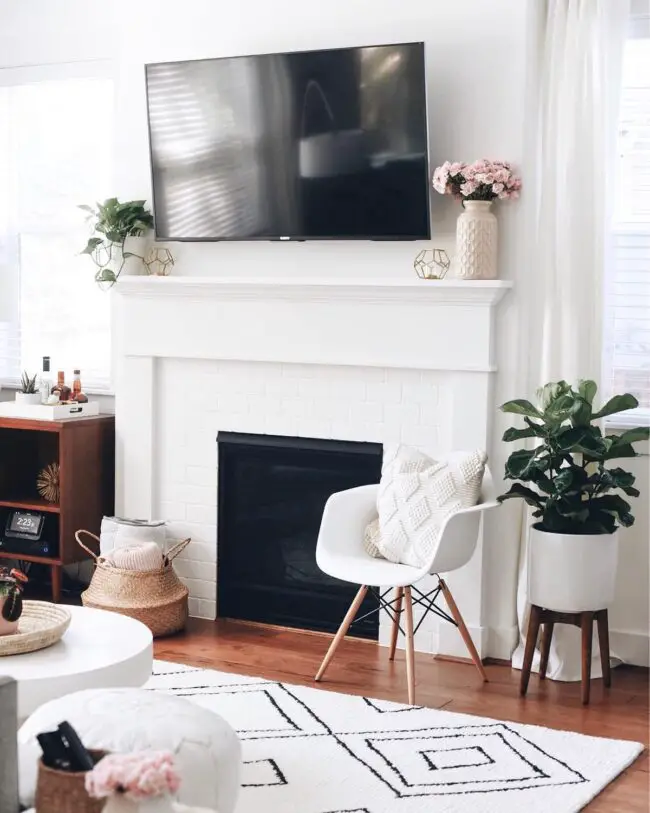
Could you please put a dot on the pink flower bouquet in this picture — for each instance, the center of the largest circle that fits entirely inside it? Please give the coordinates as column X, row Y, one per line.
column 482, row 180
column 141, row 775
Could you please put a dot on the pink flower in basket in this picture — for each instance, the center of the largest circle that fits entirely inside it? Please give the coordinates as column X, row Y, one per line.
column 141, row 775
column 482, row 180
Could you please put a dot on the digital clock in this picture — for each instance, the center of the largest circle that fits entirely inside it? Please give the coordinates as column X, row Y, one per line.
column 24, row 525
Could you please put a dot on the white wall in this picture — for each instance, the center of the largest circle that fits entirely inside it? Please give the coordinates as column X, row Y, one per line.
column 477, row 55
column 630, row 615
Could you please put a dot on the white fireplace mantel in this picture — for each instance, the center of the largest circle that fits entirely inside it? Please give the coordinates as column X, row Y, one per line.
column 191, row 358
column 410, row 323
column 321, row 289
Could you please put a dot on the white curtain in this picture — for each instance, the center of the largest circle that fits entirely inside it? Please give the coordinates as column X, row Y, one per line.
column 573, row 147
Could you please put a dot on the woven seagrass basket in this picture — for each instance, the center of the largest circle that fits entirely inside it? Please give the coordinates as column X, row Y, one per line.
column 157, row 598
column 65, row 792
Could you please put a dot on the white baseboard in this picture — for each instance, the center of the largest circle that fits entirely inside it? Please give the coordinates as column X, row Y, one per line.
column 451, row 643
column 491, row 642
column 502, row 642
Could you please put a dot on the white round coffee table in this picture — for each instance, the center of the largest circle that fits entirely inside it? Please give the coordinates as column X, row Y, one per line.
column 99, row 650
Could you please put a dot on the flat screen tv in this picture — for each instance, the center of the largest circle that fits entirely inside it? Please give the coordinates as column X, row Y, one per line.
column 297, row 146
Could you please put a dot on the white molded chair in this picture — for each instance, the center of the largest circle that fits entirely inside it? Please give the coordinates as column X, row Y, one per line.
column 340, row 553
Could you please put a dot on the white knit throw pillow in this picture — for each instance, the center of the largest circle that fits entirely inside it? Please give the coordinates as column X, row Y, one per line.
column 416, row 496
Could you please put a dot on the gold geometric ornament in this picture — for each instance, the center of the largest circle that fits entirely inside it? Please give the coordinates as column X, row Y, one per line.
column 432, row 263
column 159, row 262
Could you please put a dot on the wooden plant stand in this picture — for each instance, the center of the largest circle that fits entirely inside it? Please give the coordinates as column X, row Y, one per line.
column 583, row 620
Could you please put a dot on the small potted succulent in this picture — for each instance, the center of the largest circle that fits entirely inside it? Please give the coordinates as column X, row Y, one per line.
column 566, row 478
column 28, row 392
column 11, row 600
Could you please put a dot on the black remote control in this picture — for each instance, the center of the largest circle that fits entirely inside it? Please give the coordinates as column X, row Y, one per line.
column 80, row 757
column 64, row 751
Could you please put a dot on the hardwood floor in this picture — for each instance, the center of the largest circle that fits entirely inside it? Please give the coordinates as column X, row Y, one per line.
column 361, row 667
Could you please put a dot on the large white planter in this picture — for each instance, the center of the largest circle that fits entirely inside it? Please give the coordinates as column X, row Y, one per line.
column 476, row 241
column 571, row 573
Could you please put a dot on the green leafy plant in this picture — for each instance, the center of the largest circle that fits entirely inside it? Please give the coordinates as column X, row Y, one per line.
column 113, row 222
column 28, row 383
column 572, row 485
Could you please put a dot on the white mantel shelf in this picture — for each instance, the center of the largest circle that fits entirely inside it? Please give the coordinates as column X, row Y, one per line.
column 320, row 289
column 410, row 323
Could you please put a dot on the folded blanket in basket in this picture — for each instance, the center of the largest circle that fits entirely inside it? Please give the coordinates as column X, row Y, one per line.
column 137, row 556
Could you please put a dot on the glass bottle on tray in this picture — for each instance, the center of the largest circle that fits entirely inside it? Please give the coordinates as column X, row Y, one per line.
column 60, row 388
column 77, row 394
column 45, row 384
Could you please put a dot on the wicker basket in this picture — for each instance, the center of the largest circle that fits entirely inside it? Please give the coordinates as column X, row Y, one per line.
column 41, row 625
column 157, row 598
column 64, row 791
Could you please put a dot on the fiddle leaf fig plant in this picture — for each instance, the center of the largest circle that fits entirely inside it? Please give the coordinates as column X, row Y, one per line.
column 113, row 222
column 566, row 477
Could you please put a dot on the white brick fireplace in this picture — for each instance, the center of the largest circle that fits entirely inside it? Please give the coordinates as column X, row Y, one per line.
column 364, row 360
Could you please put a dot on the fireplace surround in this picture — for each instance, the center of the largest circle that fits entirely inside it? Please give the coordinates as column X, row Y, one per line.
column 271, row 495
column 366, row 360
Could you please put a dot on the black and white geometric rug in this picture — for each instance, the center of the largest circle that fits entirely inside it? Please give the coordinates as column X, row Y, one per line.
column 314, row 751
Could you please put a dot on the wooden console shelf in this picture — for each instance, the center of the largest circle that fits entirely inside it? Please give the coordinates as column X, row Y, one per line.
column 84, row 448
column 32, row 504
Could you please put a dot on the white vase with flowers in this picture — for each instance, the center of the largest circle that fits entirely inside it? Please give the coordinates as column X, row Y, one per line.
column 477, row 185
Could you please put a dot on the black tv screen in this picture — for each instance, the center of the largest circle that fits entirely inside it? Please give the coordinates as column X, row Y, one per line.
column 310, row 145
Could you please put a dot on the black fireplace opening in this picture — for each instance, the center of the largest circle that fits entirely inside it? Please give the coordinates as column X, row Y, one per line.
column 272, row 492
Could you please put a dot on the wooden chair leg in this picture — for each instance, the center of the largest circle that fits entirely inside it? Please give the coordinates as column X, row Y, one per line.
column 587, row 627
column 458, row 618
column 397, row 609
column 531, row 641
column 547, row 635
column 603, row 640
column 410, row 645
column 340, row 635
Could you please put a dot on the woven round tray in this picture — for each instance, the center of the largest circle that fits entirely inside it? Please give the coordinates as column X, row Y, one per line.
column 41, row 625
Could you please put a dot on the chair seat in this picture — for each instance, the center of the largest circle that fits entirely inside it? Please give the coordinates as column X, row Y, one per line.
column 360, row 568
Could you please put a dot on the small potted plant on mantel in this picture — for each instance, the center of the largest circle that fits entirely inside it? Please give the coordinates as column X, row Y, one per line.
column 573, row 546
column 119, row 237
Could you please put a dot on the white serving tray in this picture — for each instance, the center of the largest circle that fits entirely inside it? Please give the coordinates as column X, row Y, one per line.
column 47, row 412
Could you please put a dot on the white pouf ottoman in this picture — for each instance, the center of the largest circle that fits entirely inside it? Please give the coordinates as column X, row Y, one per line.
column 207, row 750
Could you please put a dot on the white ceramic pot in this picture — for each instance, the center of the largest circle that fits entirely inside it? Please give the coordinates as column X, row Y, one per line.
column 28, row 398
column 476, row 241
column 138, row 247
column 572, row 572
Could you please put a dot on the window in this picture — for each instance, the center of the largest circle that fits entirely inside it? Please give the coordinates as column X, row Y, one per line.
column 56, row 146
column 627, row 295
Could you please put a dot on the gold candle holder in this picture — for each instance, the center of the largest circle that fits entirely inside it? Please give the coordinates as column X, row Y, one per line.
column 432, row 263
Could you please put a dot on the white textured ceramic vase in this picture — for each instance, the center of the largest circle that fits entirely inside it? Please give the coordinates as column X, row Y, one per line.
column 476, row 241
column 572, row 573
